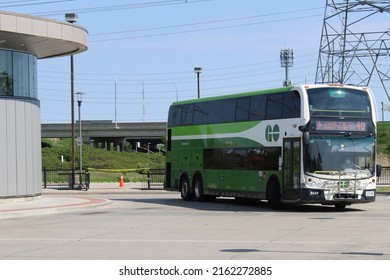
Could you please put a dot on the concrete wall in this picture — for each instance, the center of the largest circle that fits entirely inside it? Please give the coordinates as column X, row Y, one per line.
column 20, row 148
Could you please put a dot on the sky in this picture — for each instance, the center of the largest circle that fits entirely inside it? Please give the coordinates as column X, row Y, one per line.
column 141, row 54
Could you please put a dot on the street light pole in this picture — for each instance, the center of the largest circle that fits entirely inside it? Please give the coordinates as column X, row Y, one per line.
column 80, row 138
column 72, row 18
column 198, row 70
column 72, row 117
column 287, row 61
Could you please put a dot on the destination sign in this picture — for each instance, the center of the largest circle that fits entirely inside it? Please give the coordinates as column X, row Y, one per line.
column 341, row 125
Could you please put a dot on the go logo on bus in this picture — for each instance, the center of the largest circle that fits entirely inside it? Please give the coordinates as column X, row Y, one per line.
column 272, row 133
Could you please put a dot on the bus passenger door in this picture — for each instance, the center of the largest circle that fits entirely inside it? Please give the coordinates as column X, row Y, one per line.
column 291, row 169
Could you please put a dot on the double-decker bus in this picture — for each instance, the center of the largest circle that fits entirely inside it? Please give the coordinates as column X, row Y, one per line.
column 297, row 144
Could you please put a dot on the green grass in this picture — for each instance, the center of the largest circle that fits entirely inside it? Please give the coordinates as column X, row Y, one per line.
column 96, row 158
column 383, row 189
column 114, row 177
column 383, row 137
column 105, row 166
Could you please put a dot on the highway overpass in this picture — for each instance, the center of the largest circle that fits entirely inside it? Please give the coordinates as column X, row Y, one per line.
column 107, row 135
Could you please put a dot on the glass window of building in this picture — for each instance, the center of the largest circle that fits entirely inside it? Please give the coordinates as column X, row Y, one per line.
column 18, row 74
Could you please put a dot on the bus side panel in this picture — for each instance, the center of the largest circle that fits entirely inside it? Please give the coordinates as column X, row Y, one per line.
column 183, row 160
column 237, row 183
column 168, row 164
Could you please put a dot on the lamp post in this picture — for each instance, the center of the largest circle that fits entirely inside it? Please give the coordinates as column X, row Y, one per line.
column 80, row 138
column 287, row 61
column 198, row 70
column 72, row 18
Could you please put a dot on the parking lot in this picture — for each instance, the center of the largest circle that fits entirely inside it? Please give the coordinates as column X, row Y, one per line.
column 158, row 225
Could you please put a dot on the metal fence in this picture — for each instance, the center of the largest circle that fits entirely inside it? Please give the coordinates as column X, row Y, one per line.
column 65, row 179
column 154, row 179
column 384, row 179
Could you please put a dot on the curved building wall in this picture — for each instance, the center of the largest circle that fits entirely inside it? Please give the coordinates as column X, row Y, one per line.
column 20, row 131
column 23, row 40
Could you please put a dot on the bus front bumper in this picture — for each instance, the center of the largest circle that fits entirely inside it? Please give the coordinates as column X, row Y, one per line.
column 319, row 196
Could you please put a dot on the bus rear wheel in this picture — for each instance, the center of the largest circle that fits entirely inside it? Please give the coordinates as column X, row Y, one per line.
column 185, row 189
column 198, row 189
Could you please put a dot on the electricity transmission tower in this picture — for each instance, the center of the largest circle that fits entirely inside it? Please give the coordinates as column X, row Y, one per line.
column 353, row 49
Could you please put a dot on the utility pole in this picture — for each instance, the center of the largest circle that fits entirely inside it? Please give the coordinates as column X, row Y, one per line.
column 350, row 51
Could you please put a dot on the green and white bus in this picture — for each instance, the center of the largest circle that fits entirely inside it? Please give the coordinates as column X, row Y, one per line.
column 297, row 144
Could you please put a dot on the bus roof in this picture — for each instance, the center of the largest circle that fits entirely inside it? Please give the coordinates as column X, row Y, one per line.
column 243, row 94
column 265, row 91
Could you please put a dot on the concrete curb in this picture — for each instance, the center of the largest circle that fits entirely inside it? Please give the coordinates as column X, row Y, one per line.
column 54, row 200
column 50, row 205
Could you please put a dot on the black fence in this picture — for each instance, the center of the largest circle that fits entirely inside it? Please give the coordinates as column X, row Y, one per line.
column 65, row 179
column 384, row 179
column 154, row 179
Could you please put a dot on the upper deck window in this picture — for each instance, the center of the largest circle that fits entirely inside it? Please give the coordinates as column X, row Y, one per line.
column 339, row 102
column 278, row 105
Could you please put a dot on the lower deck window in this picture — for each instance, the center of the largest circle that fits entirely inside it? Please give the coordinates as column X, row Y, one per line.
column 264, row 158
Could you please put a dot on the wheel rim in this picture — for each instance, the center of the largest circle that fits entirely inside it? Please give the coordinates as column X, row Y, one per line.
column 197, row 190
column 184, row 188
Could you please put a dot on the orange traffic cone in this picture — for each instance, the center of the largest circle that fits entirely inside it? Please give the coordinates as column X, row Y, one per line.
column 121, row 182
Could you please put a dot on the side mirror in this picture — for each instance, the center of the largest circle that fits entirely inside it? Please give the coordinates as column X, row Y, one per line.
column 378, row 170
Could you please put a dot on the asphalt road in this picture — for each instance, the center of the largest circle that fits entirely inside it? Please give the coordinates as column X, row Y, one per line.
column 161, row 226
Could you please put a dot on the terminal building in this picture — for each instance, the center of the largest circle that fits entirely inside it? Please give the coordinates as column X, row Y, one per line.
column 24, row 40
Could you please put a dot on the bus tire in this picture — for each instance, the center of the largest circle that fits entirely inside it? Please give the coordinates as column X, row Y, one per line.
column 185, row 189
column 198, row 188
column 340, row 205
column 274, row 196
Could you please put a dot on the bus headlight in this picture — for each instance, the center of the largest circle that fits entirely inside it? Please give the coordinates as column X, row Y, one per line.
column 313, row 183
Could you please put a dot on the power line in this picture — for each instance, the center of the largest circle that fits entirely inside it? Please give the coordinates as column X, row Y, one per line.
column 204, row 22
column 174, row 73
column 25, row 3
column 110, row 8
column 203, row 29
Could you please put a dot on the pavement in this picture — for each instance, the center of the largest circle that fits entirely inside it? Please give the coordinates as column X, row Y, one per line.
column 53, row 200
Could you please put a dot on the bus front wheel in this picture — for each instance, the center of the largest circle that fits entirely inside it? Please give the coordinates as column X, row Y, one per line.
column 185, row 190
column 274, row 196
column 340, row 206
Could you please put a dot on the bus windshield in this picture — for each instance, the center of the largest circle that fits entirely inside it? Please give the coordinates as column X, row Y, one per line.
column 339, row 102
column 329, row 155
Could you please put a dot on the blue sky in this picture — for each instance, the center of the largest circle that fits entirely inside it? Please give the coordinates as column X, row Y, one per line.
column 150, row 48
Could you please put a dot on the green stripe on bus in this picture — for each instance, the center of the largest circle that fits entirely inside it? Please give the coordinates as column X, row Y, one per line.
column 231, row 142
column 213, row 128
